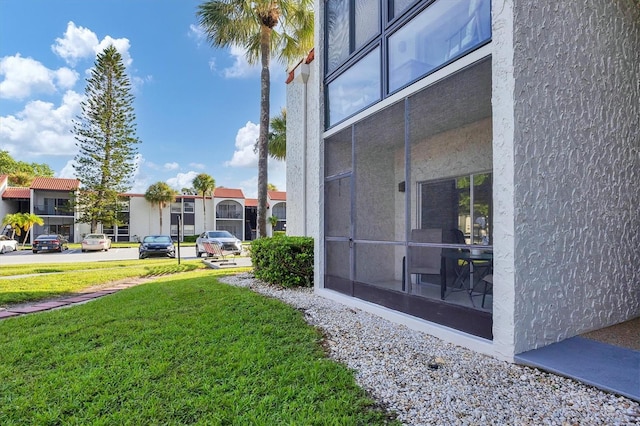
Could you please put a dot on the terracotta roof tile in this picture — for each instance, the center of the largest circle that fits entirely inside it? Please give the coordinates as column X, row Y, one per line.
column 251, row 202
column 228, row 193
column 277, row 195
column 55, row 184
column 17, row 192
column 310, row 57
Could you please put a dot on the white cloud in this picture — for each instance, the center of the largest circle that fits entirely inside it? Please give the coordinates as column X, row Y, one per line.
column 77, row 43
column 277, row 174
column 171, row 166
column 246, row 139
column 240, row 67
column 122, row 45
column 182, row 180
column 198, row 166
column 26, row 76
column 80, row 43
column 41, row 129
column 250, row 187
column 67, row 171
column 197, row 33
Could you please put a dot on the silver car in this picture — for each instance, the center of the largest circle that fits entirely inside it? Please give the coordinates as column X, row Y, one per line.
column 226, row 239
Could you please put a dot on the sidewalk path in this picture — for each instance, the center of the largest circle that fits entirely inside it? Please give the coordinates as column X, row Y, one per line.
column 75, row 299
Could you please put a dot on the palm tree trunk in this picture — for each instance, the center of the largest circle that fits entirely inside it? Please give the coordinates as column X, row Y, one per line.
column 160, row 211
column 263, row 139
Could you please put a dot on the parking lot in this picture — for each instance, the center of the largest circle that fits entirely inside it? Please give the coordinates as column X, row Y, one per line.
column 76, row 255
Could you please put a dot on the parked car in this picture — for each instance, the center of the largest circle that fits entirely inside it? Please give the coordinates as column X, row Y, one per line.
column 49, row 242
column 7, row 244
column 225, row 238
column 96, row 242
column 156, row 245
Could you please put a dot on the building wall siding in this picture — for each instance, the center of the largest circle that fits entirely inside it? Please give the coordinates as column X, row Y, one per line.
column 577, row 167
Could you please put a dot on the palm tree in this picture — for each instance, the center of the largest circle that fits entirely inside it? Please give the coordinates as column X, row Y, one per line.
column 160, row 194
column 283, row 28
column 14, row 220
column 204, row 184
column 28, row 221
column 278, row 136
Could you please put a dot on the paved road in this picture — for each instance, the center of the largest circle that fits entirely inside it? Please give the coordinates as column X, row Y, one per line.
column 27, row 256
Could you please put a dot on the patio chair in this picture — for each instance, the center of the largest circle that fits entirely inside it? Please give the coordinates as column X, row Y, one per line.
column 425, row 260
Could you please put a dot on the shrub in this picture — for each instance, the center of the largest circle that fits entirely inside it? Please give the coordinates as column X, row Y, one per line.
column 190, row 238
column 285, row 261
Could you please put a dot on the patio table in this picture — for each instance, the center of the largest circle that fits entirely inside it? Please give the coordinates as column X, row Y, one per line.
column 482, row 260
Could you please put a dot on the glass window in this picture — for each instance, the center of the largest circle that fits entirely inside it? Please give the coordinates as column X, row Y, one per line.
column 189, row 206
column 399, row 6
column 355, row 89
column 280, row 211
column 367, row 20
column 447, row 204
column 337, row 33
column 442, row 32
column 176, row 208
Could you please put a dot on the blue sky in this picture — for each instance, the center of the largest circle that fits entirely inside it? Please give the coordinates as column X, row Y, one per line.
column 197, row 108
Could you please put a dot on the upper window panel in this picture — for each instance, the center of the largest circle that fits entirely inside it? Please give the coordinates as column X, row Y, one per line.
column 367, row 20
column 445, row 30
column 400, row 6
column 355, row 89
column 337, row 33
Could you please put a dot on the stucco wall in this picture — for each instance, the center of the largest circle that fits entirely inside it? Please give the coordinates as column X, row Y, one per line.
column 577, row 167
column 303, row 152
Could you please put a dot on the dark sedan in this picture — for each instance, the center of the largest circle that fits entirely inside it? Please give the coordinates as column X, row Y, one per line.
column 156, row 245
column 49, row 242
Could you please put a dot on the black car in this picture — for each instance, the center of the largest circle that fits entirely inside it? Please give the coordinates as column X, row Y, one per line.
column 49, row 242
column 156, row 245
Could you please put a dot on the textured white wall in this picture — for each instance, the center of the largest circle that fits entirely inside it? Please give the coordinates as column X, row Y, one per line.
column 576, row 192
column 303, row 152
column 502, row 100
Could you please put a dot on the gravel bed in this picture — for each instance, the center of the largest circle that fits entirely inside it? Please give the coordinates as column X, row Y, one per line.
column 427, row 381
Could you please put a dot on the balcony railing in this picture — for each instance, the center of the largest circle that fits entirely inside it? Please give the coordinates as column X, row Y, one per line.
column 42, row 210
column 228, row 215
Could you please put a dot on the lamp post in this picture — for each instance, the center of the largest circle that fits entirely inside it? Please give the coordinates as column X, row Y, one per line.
column 179, row 217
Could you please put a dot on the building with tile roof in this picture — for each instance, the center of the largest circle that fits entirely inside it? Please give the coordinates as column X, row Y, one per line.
column 226, row 210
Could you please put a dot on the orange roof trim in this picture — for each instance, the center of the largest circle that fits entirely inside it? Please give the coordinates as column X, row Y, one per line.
column 16, row 192
column 310, row 57
column 55, row 184
column 277, row 195
column 228, row 193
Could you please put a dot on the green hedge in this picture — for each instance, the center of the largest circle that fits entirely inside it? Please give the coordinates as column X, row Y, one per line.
column 190, row 238
column 285, row 261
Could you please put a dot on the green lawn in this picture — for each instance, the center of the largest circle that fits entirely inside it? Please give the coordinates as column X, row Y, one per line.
column 183, row 349
column 30, row 283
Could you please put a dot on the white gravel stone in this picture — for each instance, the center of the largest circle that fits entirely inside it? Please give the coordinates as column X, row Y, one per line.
column 395, row 365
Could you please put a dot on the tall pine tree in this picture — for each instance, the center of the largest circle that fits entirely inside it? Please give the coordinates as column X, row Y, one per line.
column 106, row 137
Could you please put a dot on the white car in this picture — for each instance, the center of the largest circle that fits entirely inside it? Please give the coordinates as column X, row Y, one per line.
column 7, row 244
column 96, row 242
column 226, row 239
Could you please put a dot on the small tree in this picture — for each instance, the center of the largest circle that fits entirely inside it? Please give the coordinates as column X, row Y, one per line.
column 278, row 136
column 160, row 194
column 14, row 220
column 105, row 135
column 30, row 220
column 204, row 184
column 274, row 221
